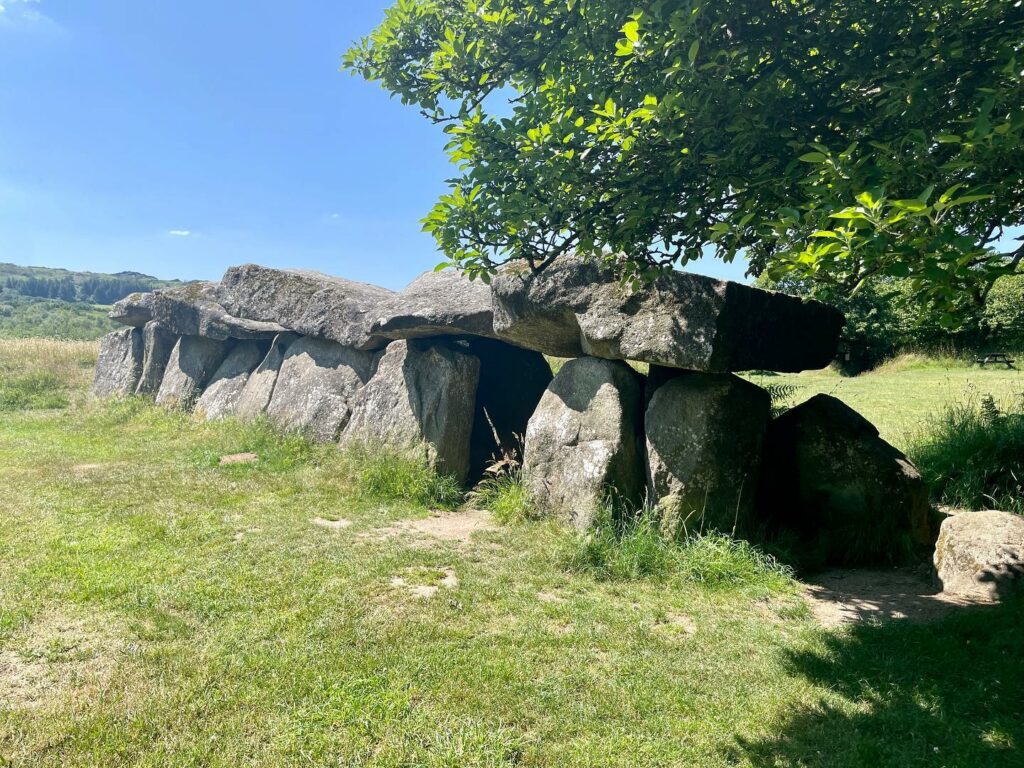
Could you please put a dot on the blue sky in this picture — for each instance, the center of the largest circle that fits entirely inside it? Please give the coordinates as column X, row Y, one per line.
column 179, row 138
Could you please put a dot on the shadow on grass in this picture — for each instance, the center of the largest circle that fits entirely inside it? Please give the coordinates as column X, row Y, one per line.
column 903, row 694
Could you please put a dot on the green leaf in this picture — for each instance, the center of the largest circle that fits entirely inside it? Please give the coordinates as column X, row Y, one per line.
column 813, row 157
column 631, row 30
column 694, row 50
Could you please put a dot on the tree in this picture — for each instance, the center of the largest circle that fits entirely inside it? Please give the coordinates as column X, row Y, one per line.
column 882, row 320
column 829, row 140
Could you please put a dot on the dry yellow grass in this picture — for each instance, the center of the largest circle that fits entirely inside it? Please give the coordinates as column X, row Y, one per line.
column 72, row 361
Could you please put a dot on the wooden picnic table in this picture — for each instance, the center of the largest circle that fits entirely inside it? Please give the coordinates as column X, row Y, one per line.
column 996, row 358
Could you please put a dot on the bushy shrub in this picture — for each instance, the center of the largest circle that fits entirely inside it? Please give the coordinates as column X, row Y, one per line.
column 972, row 456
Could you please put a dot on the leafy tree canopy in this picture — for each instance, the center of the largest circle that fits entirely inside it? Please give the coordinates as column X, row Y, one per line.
column 832, row 140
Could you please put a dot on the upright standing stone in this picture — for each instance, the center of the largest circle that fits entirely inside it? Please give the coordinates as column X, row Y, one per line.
column 193, row 361
column 222, row 394
column 681, row 320
column 847, row 496
column 704, row 437
column 259, row 388
column 158, row 344
column 317, row 385
column 584, row 440
column 119, row 364
column 421, row 400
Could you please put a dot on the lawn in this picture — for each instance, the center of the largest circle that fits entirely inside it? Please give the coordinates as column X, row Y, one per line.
column 903, row 395
column 159, row 609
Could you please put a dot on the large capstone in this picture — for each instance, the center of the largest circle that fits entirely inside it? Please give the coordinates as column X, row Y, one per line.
column 512, row 382
column 135, row 309
column 308, row 303
column 317, row 386
column 119, row 364
column 192, row 310
column 222, row 394
column 704, row 437
column 420, row 401
column 981, row 555
column 436, row 304
column 681, row 320
column 193, row 361
column 845, row 495
column 158, row 344
column 259, row 386
column 583, row 443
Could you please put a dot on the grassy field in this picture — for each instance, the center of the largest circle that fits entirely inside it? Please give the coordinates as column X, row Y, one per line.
column 902, row 396
column 159, row 609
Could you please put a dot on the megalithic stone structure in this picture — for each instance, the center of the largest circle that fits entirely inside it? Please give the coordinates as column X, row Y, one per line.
column 455, row 371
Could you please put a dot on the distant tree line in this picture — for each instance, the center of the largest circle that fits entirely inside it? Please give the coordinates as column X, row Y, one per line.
column 93, row 290
column 884, row 319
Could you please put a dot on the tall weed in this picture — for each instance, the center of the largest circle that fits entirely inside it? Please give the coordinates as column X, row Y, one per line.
column 972, row 455
column 622, row 549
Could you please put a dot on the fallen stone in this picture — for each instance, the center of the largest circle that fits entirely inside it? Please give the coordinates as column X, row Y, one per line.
column 682, row 320
column 119, row 364
column 259, row 387
column 704, row 437
column 420, row 401
column 847, row 496
column 980, row 555
column 317, row 385
column 309, row 303
column 512, row 382
column 584, row 440
column 193, row 361
column 436, row 304
column 158, row 344
column 222, row 394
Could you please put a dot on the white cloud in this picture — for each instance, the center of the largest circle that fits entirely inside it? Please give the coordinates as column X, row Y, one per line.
column 14, row 11
column 179, row 233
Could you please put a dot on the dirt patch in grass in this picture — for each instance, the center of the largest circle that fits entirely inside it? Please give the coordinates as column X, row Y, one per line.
column 677, row 624
column 841, row 597
column 238, row 458
column 426, row 582
column 441, row 526
column 58, row 657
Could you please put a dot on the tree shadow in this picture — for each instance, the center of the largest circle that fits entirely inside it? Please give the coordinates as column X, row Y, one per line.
column 950, row 693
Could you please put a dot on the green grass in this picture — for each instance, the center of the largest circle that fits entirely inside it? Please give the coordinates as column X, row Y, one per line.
column 972, row 456
column 158, row 609
column 504, row 495
column 907, row 392
column 627, row 550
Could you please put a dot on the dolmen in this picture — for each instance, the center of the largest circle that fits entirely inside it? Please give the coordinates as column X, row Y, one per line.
column 457, row 373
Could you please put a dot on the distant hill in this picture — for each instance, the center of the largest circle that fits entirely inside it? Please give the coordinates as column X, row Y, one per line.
column 60, row 303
